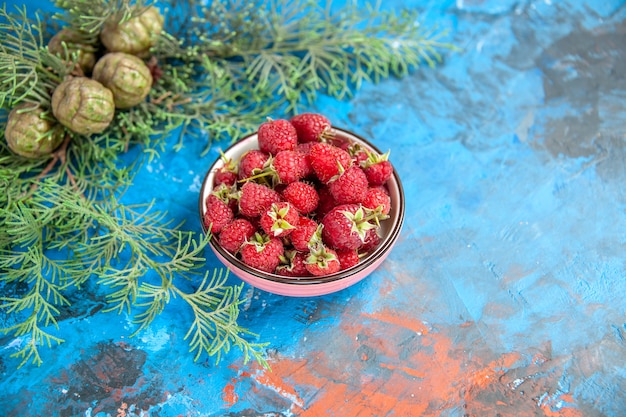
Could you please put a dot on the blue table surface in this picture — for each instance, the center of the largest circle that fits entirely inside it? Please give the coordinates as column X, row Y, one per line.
column 505, row 294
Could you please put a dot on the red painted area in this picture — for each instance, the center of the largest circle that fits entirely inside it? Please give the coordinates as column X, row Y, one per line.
column 409, row 369
column 395, row 318
column 229, row 395
column 276, row 382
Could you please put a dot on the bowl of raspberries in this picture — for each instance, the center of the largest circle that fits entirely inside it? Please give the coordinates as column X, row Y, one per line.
column 301, row 207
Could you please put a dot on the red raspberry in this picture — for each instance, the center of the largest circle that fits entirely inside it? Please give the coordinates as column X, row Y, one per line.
column 289, row 166
column 327, row 202
column 311, row 127
column 302, row 195
column 218, row 214
column 277, row 135
column 383, row 188
column 223, row 176
column 280, row 219
column 262, row 252
column 305, row 148
column 292, row 264
column 342, row 143
column 377, row 168
column 327, row 161
column 228, row 194
column 255, row 198
column 372, row 240
column 252, row 163
column 322, row 261
column 307, row 233
column 379, row 173
column 345, row 226
column 358, row 153
column 227, row 174
column 377, row 197
column 235, row 234
column 347, row 258
column 350, row 187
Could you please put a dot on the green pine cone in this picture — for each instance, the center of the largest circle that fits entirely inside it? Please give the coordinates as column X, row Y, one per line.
column 30, row 134
column 127, row 76
column 83, row 105
column 75, row 43
column 136, row 35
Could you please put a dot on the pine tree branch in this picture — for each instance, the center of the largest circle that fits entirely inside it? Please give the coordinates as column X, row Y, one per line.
column 214, row 329
column 219, row 70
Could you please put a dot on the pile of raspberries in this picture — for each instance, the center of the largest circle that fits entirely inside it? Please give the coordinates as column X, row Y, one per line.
column 305, row 203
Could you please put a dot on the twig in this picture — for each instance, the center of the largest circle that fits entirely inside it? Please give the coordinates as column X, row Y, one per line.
column 58, row 155
column 170, row 106
column 159, row 99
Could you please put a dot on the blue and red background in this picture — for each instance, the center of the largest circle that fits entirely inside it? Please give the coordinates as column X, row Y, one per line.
column 505, row 294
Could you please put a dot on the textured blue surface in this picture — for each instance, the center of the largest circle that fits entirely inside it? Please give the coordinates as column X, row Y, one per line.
column 505, row 294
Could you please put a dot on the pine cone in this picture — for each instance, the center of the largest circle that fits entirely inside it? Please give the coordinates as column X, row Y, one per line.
column 75, row 43
column 127, row 76
column 135, row 36
column 30, row 134
column 83, row 105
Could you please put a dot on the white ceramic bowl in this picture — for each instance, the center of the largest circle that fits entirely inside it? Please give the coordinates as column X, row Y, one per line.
column 309, row 286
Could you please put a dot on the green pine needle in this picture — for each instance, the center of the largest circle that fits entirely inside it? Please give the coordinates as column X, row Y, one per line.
column 300, row 49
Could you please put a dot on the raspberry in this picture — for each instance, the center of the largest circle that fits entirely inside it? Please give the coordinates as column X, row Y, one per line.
column 359, row 154
column 379, row 173
column 326, row 204
column 347, row 258
column 235, row 234
column 262, row 252
column 277, row 135
column 255, row 198
column 280, row 219
column 306, row 234
column 383, row 188
column 228, row 194
column 302, row 195
column 372, row 240
column 345, row 226
column 290, row 166
column 377, row 197
column 227, row 174
column 252, row 163
column 322, row 261
column 223, row 176
column 292, row 264
column 218, row 214
column 377, row 168
column 350, row 187
column 305, row 148
column 328, row 160
column 311, row 127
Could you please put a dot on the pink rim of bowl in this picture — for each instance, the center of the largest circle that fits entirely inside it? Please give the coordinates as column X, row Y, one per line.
column 309, row 286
